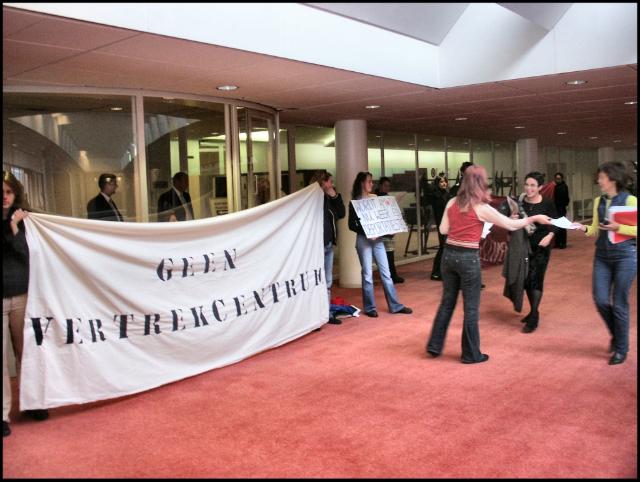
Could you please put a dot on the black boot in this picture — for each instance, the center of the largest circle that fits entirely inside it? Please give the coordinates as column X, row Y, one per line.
column 392, row 268
column 531, row 323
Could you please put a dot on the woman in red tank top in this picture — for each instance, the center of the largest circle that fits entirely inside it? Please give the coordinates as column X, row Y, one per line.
column 462, row 222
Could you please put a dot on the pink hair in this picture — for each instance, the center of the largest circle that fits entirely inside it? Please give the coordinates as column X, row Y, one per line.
column 474, row 188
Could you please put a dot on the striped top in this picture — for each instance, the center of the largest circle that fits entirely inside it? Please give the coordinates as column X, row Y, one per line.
column 465, row 228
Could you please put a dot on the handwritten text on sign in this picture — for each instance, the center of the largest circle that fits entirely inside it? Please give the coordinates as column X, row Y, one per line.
column 379, row 216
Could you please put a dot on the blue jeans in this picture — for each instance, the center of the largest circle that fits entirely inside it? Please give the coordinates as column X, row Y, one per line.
column 460, row 269
column 367, row 250
column 613, row 273
column 328, row 268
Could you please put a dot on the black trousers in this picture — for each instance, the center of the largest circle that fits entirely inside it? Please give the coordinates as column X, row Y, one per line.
column 460, row 272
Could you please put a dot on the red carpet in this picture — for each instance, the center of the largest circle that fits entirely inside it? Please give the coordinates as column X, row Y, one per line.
column 362, row 400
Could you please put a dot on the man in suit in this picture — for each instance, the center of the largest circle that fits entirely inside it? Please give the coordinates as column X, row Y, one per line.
column 102, row 206
column 561, row 199
column 175, row 204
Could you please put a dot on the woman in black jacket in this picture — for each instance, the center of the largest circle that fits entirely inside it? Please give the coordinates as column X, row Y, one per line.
column 439, row 202
column 15, row 282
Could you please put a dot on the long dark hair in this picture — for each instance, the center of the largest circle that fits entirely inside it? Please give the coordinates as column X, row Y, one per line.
column 18, row 189
column 356, row 190
column 616, row 171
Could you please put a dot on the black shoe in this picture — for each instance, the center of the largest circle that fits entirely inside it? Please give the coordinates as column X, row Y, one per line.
column 483, row 359
column 433, row 353
column 6, row 431
column 529, row 328
column 526, row 318
column 436, row 277
column 372, row 313
column 398, row 279
column 482, row 286
column 617, row 358
column 38, row 415
column 406, row 310
column 334, row 321
column 317, row 329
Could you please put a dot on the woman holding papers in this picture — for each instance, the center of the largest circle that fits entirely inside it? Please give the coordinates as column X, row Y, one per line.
column 462, row 222
column 367, row 249
column 15, row 282
column 615, row 263
column 540, row 240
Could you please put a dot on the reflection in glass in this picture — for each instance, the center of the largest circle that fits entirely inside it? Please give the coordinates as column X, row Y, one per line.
column 60, row 144
column 186, row 136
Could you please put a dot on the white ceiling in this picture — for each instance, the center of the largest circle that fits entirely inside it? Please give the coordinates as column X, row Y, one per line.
column 429, row 22
column 40, row 49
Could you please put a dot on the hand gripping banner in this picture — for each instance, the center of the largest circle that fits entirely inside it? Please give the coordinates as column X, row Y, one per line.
column 119, row 308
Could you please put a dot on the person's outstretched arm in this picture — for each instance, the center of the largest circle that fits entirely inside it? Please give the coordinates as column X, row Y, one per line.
column 488, row 214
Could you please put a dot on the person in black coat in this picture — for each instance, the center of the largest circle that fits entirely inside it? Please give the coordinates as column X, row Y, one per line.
column 102, row 206
column 439, row 202
column 175, row 204
column 561, row 199
column 15, row 283
column 454, row 189
column 333, row 211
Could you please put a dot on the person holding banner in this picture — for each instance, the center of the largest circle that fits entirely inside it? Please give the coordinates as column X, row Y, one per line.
column 369, row 248
column 15, row 282
column 333, row 211
column 462, row 222
column 615, row 263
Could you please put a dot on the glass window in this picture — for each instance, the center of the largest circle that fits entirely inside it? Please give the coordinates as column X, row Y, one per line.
column 63, row 142
column 431, row 162
column 457, row 153
column 374, row 154
column 483, row 156
column 186, row 136
column 400, row 167
column 315, row 149
column 504, row 162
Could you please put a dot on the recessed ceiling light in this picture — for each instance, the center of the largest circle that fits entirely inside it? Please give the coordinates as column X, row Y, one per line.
column 461, row 118
column 427, row 140
column 593, row 137
column 561, row 133
column 631, row 102
column 168, row 98
column 378, row 136
column 116, row 108
column 227, row 87
column 576, row 82
column 372, row 106
column 617, row 140
column 518, row 127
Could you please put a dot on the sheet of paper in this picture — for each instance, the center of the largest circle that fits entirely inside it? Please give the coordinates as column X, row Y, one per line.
column 563, row 222
column 485, row 229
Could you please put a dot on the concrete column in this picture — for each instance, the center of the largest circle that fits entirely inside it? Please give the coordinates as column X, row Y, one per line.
column 606, row 154
column 351, row 158
column 527, row 160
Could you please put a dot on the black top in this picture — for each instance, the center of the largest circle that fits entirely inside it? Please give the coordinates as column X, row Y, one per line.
column 15, row 260
column 169, row 202
column 99, row 208
column 354, row 221
column 561, row 194
column 547, row 208
column 440, row 199
column 333, row 210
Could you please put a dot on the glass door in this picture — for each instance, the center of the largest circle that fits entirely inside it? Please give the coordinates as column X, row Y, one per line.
column 257, row 170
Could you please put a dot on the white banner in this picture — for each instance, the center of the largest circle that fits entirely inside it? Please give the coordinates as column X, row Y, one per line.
column 379, row 215
column 119, row 308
